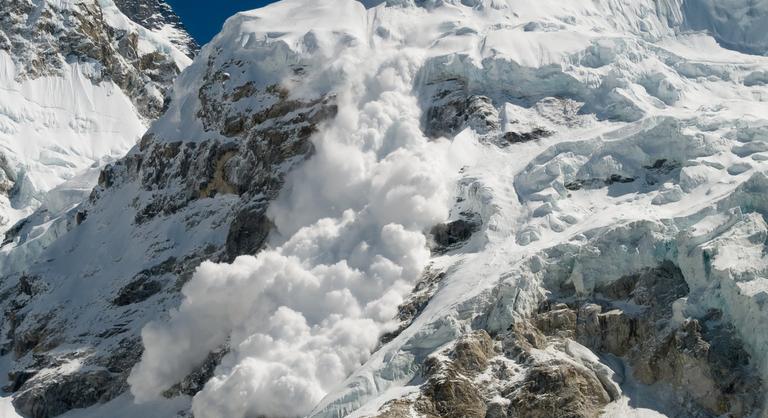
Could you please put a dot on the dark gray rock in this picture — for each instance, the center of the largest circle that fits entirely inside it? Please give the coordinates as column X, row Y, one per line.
column 137, row 291
column 522, row 137
column 409, row 310
column 195, row 381
column 701, row 360
column 248, row 232
column 64, row 393
column 453, row 108
column 451, row 234
column 591, row 184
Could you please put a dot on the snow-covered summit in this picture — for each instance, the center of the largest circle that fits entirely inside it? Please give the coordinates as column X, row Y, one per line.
column 467, row 208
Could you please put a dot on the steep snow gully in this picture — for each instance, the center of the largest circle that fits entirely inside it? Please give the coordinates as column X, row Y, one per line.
column 456, row 208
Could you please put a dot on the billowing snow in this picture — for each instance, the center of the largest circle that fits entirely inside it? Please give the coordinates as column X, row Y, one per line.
column 313, row 307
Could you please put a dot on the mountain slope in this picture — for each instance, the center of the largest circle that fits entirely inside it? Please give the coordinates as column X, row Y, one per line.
column 80, row 80
column 477, row 208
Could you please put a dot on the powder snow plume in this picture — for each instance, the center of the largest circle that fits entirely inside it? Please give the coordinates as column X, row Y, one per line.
column 301, row 317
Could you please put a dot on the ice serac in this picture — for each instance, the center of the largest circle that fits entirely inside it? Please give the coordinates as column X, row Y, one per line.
column 475, row 208
column 718, row 17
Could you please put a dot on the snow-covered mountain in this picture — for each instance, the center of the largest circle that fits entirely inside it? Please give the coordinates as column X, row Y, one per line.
column 440, row 208
column 159, row 17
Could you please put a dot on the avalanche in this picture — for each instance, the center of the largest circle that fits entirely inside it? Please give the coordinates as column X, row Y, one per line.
column 475, row 208
column 312, row 309
column 618, row 118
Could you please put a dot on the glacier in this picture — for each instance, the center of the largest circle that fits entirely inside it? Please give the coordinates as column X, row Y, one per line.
column 410, row 208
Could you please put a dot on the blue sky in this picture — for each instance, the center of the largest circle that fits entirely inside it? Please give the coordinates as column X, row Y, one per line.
column 203, row 18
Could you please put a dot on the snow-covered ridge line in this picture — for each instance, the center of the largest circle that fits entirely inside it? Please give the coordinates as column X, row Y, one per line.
column 158, row 17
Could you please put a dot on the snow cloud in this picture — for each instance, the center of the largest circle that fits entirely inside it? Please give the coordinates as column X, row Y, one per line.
column 350, row 243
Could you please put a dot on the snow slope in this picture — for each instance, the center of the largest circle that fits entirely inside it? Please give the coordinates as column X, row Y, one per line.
column 55, row 128
column 423, row 192
column 80, row 82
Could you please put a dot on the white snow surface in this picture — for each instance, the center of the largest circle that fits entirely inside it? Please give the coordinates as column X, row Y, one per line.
column 52, row 128
column 303, row 317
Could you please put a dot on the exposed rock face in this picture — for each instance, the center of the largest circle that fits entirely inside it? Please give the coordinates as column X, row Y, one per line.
column 7, row 182
column 538, row 367
column 453, row 107
column 558, row 390
column 451, row 389
column 521, row 137
column 598, row 183
column 6, row 176
column 417, row 301
column 246, row 164
column 476, row 379
column 702, row 359
column 449, row 394
column 195, row 381
column 65, row 393
column 452, row 234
